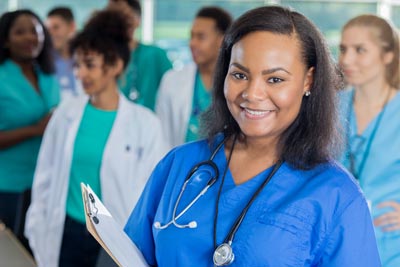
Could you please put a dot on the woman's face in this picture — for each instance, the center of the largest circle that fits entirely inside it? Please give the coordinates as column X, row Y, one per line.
column 361, row 57
column 26, row 38
column 265, row 83
column 95, row 76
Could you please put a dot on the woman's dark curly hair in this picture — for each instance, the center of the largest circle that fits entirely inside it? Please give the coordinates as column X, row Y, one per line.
column 107, row 34
column 44, row 59
column 312, row 137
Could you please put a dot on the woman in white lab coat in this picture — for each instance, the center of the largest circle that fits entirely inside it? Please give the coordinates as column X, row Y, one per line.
column 101, row 139
column 173, row 106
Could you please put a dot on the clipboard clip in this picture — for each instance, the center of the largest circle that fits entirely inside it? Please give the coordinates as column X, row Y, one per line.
column 91, row 207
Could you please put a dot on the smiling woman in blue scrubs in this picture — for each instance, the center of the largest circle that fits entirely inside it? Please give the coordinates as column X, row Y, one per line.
column 28, row 92
column 279, row 199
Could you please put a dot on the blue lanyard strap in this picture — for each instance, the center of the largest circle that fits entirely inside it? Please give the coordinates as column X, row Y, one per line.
column 357, row 173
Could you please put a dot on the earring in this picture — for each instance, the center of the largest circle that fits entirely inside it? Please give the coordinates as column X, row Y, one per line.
column 307, row 93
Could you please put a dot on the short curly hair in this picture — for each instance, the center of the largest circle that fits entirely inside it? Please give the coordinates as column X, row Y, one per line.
column 106, row 33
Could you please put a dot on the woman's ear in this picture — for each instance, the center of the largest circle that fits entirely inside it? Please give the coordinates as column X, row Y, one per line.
column 308, row 81
column 118, row 67
column 388, row 57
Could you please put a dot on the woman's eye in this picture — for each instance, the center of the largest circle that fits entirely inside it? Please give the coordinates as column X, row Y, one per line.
column 360, row 50
column 342, row 49
column 239, row 76
column 274, row 80
column 90, row 65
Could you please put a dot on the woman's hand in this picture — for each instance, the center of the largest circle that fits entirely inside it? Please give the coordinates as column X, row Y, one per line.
column 389, row 221
column 40, row 126
column 13, row 137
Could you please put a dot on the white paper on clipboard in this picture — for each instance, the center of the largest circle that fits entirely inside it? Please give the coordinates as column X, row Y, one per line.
column 109, row 233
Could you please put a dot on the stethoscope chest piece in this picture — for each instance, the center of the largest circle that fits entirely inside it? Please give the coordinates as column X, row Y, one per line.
column 223, row 255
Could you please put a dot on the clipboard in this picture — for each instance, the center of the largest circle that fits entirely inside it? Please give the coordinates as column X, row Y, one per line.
column 12, row 253
column 102, row 226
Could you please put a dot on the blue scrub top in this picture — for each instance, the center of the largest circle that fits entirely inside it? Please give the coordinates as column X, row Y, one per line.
column 380, row 175
column 20, row 106
column 301, row 218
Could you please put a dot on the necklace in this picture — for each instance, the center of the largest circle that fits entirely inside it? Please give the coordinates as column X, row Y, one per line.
column 223, row 254
column 351, row 154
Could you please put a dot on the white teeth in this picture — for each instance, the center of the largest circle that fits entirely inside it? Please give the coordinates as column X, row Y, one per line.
column 256, row 112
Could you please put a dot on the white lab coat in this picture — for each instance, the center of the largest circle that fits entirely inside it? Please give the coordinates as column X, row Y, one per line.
column 133, row 148
column 174, row 103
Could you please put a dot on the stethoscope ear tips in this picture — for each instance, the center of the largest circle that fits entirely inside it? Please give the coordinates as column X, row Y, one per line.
column 192, row 224
column 157, row 225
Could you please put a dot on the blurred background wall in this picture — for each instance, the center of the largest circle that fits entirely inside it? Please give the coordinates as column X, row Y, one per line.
column 167, row 22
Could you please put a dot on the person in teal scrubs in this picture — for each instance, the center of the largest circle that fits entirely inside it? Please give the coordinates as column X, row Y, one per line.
column 28, row 93
column 369, row 59
column 147, row 65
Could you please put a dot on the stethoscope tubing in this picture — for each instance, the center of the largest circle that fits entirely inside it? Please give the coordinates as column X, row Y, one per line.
column 212, row 181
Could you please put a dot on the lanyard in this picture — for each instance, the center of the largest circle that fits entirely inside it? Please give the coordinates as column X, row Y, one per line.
column 357, row 173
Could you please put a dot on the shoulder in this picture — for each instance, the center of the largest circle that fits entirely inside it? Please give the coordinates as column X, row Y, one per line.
column 330, row 185
column 138, row 111
column 70, row 108
column 3, row 69
column 345, row 95
column 151, row 50
column 332, row 175
column 190, row 153
column 9, row 72
column 187, row 72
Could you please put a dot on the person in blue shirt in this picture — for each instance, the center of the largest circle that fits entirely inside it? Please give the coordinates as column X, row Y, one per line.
column 263, row 189
column 62, row 28
column 369, row 59
column 28, row 94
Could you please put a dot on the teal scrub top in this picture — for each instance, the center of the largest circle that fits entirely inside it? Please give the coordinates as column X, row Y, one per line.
column 143, row 74
column 201, row 101
column 379, row 170
column 90, row 141
column 21, row 105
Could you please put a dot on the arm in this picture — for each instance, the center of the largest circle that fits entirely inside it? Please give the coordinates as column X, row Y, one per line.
column 35, row 225
column 157, row 144
column 139, row 227
column 13, row 137
column 164, row 63
column 164, row 109
column 351, row 242
column 389, row 221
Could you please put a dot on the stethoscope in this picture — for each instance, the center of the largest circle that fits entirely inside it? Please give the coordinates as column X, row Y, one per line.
column 223, row 254
column 214, row 173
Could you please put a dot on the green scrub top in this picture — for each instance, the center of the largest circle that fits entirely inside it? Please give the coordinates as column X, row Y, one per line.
column 143, row 74
column 21, row 105
column 90, row 141
column 201, row 101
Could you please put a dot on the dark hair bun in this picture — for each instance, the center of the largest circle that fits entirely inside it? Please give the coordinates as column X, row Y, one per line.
column 110, row 23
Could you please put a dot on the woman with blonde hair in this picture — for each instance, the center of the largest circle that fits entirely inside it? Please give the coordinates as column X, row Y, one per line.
column 369, row 58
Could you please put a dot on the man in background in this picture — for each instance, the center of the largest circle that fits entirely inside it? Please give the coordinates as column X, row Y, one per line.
column 185, row 94
column 147, row 65
column 61, row 26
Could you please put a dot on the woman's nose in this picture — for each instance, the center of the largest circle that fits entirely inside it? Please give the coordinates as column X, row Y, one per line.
column 256, row 90
column 346, row 58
